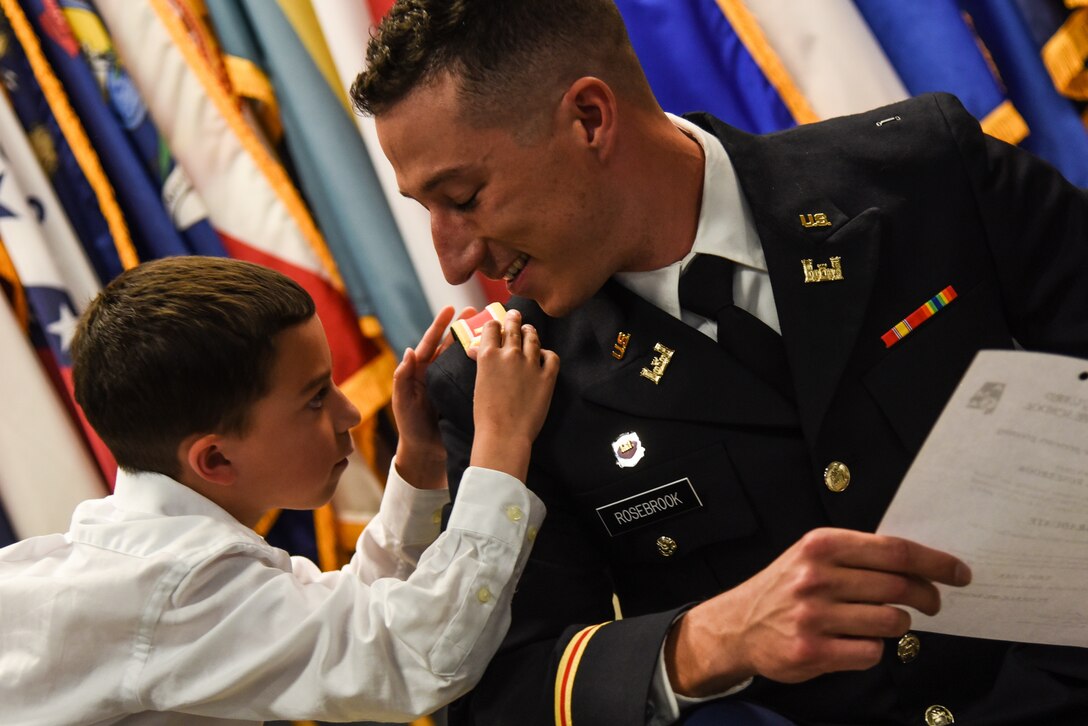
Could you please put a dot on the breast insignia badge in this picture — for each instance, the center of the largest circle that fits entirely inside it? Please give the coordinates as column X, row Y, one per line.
column 628, row 450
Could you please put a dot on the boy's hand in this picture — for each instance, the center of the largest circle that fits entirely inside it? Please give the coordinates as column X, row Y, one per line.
column 514, row 383
column 421, row 457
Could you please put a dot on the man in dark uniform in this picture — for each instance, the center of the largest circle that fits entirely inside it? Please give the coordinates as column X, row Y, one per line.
column 733, row 412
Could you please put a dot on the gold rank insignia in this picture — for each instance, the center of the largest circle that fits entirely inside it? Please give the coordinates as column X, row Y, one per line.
column 619, row 348
column 658, row 364
column 823, row 273
column 819, row 219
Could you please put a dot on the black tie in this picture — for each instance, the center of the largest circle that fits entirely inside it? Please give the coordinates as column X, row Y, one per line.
column 706, row 288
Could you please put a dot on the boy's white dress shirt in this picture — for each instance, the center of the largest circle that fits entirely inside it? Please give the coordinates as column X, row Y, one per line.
column 158, row 607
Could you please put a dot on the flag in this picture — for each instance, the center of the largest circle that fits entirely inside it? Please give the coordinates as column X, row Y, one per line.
column 933, row 48
column 45, row 468
column 251, row 201
column 337, row 179
column 50, row 265
column 1057, row 131
column 710, row 55
column 152, row 231
column 74, row 169
column 184, row 208
column 840, row 72
column 346, row 27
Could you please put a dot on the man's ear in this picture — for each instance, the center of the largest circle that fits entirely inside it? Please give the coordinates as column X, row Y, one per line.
column 591, row 106
column 207, row 458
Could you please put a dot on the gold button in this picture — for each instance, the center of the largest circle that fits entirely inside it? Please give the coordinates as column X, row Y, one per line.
column 837, row 476
column 666, row 546
column 532, row 534
column 938, row 716
column 514, row 513
column 908, row 648
column 483, row 595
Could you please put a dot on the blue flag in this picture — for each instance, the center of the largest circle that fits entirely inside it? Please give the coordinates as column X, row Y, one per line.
column 933, row 48
column 138, row 194
column 76, row 196
column 1057, row 131
column 183, row 205
column 697, row 60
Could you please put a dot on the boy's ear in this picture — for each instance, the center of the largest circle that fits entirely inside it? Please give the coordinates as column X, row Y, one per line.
column 207, row 458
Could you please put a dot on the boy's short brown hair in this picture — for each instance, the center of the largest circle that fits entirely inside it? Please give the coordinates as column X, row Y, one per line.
column 179, row 346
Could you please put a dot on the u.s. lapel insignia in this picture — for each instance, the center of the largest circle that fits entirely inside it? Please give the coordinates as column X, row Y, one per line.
column 819, row 219
column 658, row 364
column 628, row 449
column 619, row 348
column 822, row 273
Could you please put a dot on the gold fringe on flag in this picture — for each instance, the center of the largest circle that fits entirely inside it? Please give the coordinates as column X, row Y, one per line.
column 1065, row 53
column 249, row 81
column 1006, row 123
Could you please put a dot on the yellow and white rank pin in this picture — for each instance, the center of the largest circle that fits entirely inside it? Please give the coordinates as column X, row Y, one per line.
column 468, row 331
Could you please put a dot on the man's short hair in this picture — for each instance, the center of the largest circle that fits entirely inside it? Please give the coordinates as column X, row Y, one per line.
column 506, row 55
column 179, row 346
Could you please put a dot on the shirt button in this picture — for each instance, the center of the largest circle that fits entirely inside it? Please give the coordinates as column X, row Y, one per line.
column 514, row 513
column 531, row 534
column 837, row 476
column 483, row 595
column 436, row 518
column 666, row 546
column 939, row 716
column 908, row 647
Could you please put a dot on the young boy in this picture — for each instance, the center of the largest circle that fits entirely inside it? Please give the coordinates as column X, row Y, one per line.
column 210, row 380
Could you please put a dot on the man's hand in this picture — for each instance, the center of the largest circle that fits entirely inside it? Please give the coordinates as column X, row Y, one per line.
column 823, row 606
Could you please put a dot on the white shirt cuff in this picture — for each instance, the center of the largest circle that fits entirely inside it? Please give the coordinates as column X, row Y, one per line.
column 665, row 705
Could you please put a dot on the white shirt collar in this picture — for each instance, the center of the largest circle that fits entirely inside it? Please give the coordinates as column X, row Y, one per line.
column 725, row 227
column 153, row 493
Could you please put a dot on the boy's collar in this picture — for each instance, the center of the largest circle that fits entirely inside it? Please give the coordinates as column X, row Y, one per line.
column 154, row 493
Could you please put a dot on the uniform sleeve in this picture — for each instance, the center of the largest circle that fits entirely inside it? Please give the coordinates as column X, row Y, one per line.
column 252, row 634
column 1036, row 223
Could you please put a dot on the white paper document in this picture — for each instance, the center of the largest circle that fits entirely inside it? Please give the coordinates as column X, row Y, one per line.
column 1002, row 483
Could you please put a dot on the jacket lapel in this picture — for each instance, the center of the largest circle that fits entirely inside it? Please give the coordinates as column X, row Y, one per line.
column 820, row 320
column 700, row 382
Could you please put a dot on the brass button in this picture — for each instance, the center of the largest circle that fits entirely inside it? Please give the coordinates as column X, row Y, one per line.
column 837, row 476
column 483, row 595
column 514, row 513
column 908, row 648
column 666, row 546
column 938, row 716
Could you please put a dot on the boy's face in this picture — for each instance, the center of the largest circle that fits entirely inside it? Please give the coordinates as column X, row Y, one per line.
column 295, row 449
